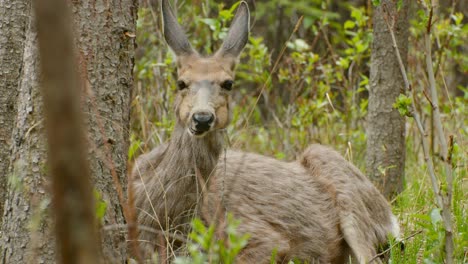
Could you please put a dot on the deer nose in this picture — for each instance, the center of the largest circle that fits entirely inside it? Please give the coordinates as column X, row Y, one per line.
column 203, row 120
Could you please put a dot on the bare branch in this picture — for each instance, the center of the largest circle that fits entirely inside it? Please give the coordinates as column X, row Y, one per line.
column 446, row 210
column 435, row 107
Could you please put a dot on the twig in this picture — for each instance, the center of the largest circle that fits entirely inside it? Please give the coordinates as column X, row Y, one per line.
column 450, row 151
column 427, row 97
column 394, row 245
column 447, row 200
column 124, row 227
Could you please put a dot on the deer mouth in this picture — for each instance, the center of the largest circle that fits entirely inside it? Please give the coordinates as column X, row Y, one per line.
column 197, row 133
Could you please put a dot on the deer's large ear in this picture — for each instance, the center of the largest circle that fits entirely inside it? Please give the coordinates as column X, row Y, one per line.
column 238, row 34
column 173, row 32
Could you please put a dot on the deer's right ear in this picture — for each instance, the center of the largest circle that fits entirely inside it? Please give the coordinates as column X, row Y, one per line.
column 173, row 32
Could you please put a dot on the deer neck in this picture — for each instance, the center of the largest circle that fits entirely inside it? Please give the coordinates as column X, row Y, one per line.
column 187, row 153
column 178, row 176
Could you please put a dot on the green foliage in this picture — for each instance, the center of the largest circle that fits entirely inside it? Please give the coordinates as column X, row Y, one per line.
column 403, row 105
column 204, row 247
column 135, row 144
column 100, row 206
column 418, row 213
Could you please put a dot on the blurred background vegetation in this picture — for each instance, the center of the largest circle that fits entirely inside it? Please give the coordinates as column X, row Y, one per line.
column 303, row 78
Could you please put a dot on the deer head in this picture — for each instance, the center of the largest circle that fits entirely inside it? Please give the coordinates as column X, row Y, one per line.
column 205, row 83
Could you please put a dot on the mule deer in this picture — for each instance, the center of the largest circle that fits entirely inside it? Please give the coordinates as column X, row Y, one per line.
column 319, row 208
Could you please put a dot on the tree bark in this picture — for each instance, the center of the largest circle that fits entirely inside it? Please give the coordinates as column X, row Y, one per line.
column 105, row 44
column 106, row 48
column 26, row 233
column 13, row 22
column 386, row 128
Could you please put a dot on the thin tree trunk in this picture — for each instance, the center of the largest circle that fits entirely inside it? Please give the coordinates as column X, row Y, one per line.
column 386, row 128
column 13, row 22
column 72, row 198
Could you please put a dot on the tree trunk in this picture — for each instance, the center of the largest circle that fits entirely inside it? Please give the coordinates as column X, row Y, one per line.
column 386, row 128
column 13, row 22
column 26, row 235
column 106, row 48
column 105, row 45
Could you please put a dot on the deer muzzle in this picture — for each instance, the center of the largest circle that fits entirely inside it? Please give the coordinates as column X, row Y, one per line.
column 203, row 115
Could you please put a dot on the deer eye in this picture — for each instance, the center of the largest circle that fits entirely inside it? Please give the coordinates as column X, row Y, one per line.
column 181, row 85
column 227, row 85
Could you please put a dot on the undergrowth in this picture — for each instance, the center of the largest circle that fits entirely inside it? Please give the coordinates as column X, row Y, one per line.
column 317, row 94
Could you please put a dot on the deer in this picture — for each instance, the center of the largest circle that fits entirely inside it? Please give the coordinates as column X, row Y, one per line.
column 318, row 208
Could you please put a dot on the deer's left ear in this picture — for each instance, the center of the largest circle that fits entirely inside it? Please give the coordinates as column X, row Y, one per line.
column 238, row 34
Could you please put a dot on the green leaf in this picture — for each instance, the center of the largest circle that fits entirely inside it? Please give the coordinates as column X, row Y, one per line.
column 214, row 24
column 225, row 15
column 349, row 24
column 343, row 62
column 403, row 104
column 135, row 144
column 399, row 4
column 100, row 206
column 376, row 2
column 280, row 155
column 435, row 216
column 273, row 256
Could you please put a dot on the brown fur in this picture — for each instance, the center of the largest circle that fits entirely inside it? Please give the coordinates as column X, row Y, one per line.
column 319, row 209
column 365, row 215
